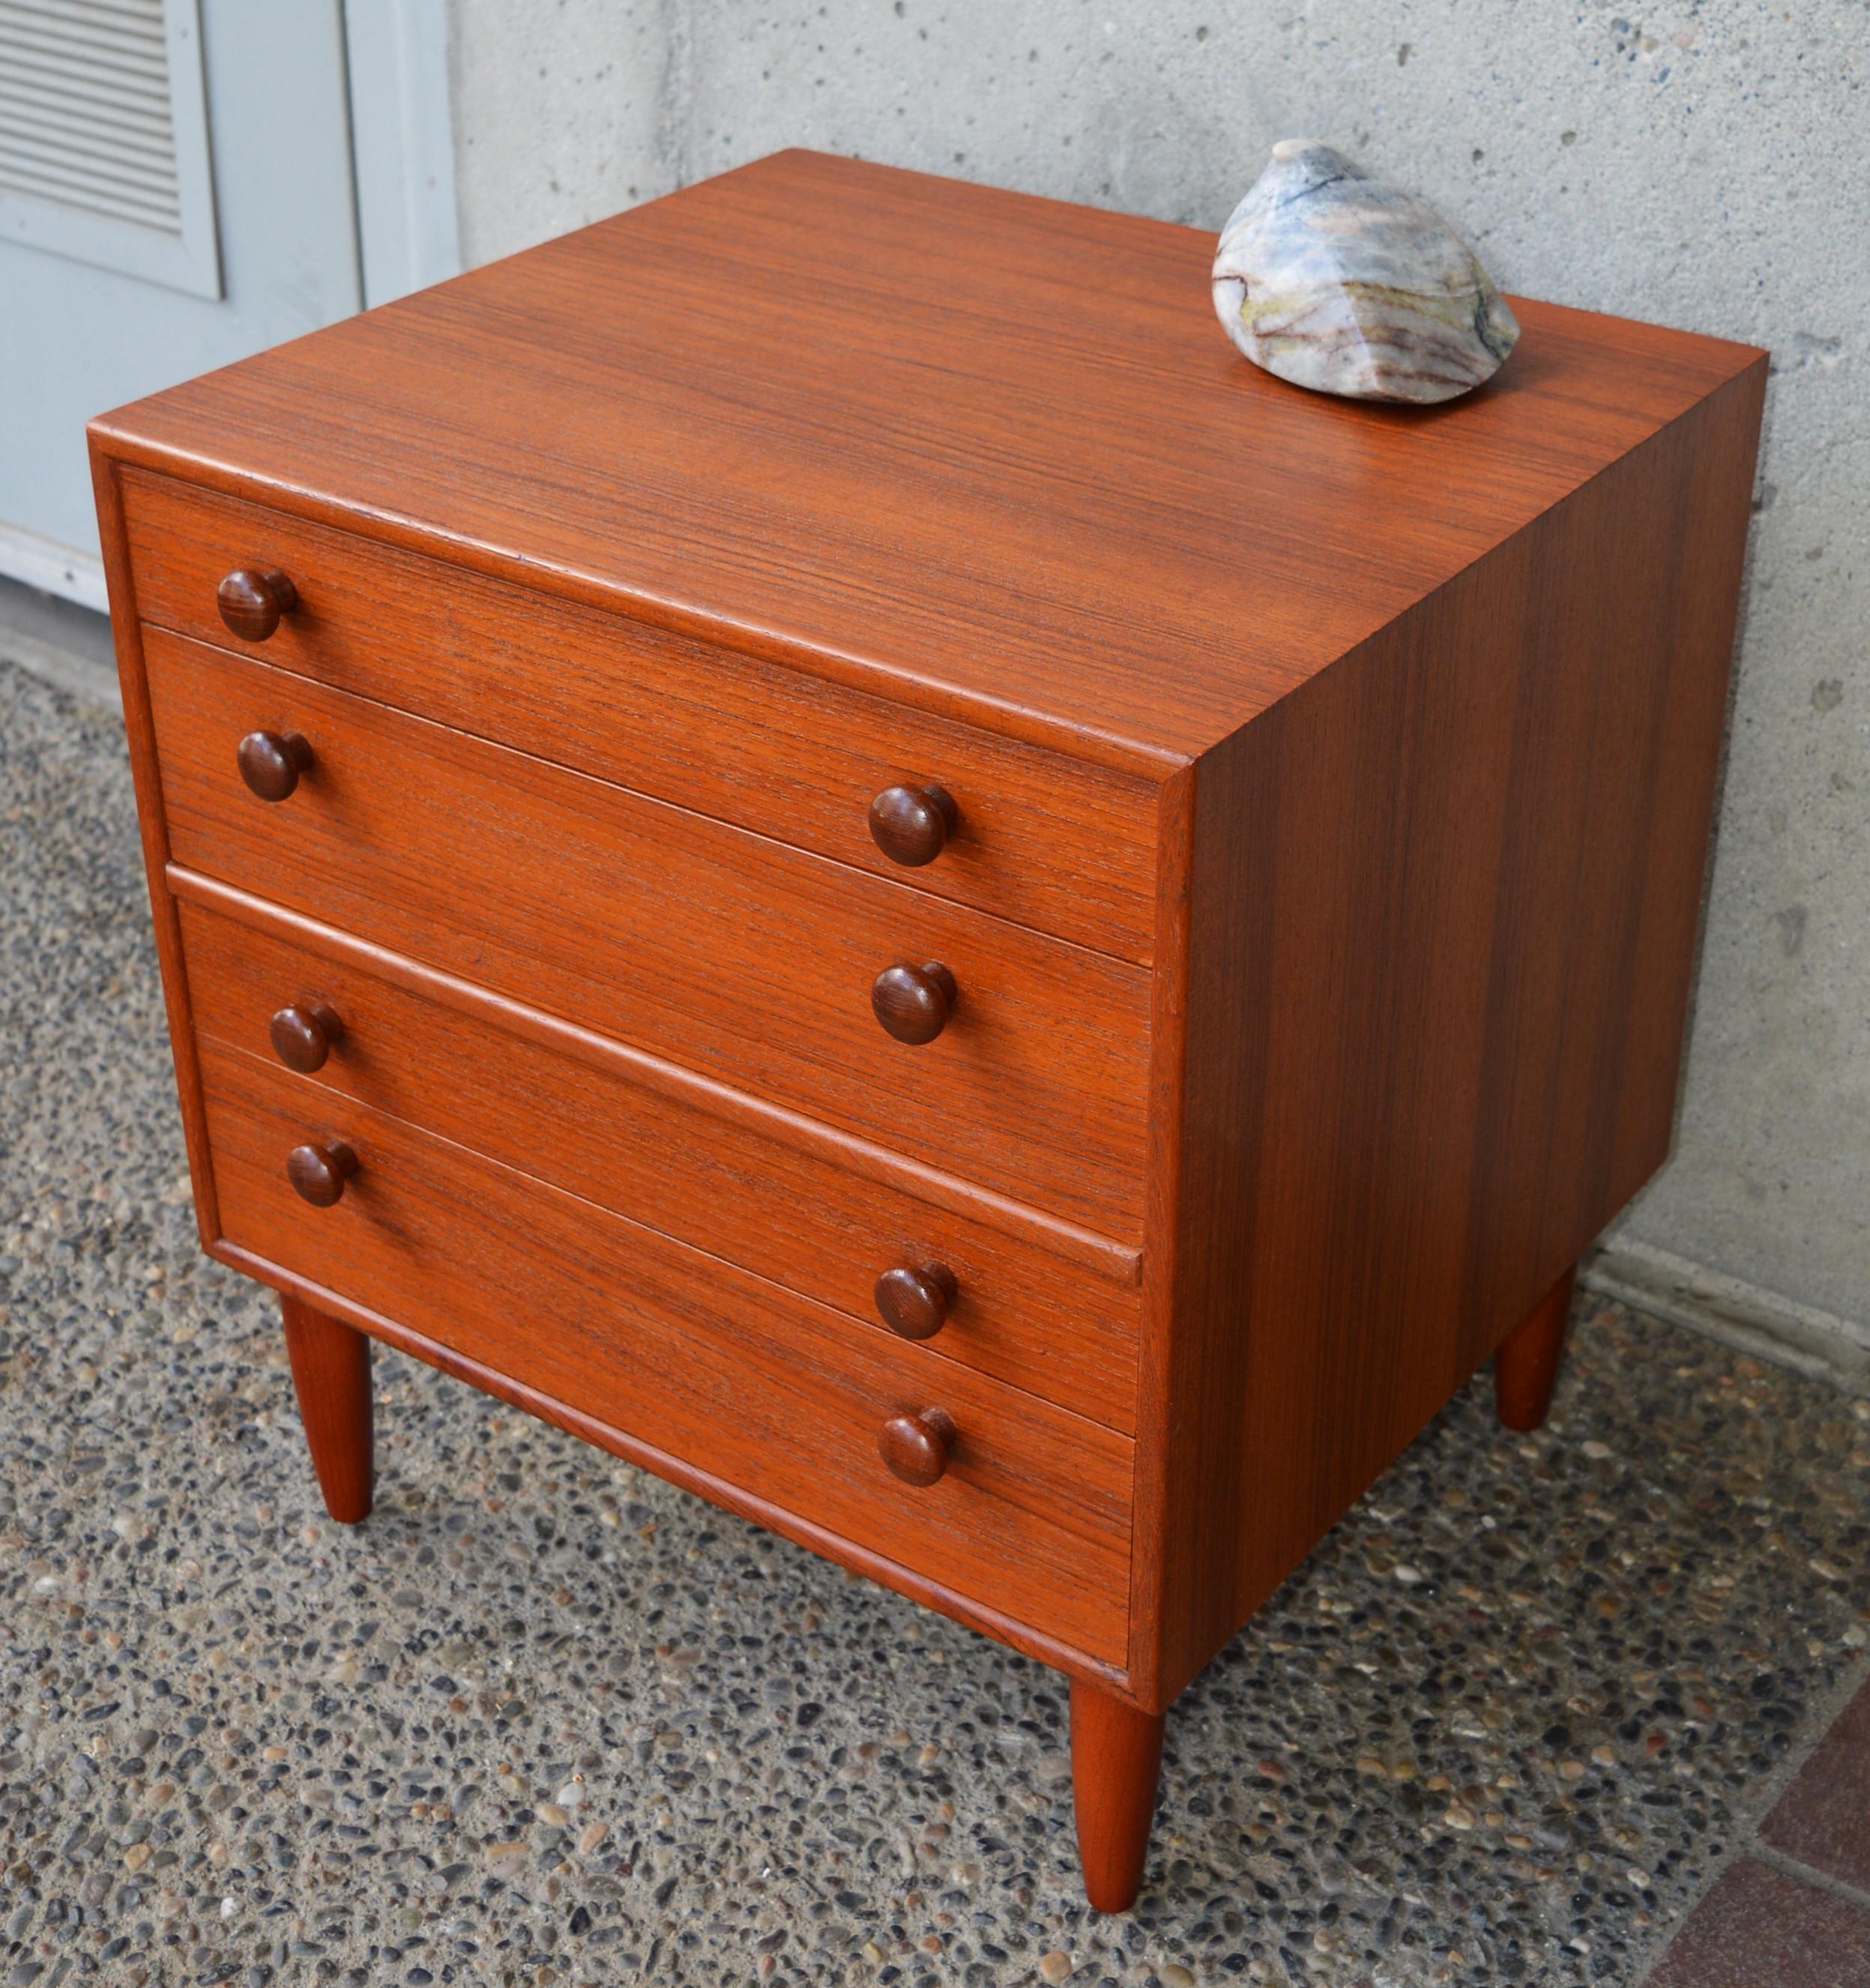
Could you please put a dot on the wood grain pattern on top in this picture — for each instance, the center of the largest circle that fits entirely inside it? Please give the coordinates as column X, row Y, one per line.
column 985, row 453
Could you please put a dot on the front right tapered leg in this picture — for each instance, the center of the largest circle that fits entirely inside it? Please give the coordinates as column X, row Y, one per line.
column 1116, row 1759
column 331, row 1375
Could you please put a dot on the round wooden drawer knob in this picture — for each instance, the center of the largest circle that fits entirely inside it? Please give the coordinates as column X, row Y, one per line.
column 271, row 762
column 916, row 1447
column 317, row 1173
column 304, row 1035
column 913, row 1300
column 252, row 598
column 912, row 825
column 914, row 1002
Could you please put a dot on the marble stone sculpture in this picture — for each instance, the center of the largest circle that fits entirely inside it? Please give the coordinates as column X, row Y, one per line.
column 1334, row 281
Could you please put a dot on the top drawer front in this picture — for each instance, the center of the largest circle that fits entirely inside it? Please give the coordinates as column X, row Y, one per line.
column 1061, row 846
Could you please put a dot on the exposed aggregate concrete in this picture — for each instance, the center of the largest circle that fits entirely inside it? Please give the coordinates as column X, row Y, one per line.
column 543, row 1719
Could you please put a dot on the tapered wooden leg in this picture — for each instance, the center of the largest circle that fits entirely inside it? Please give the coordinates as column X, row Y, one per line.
column 331, row 1375
column 1527, row 1364
column 1116, row 1754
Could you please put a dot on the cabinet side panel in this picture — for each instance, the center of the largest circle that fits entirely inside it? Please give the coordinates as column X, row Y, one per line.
column 1443, row 902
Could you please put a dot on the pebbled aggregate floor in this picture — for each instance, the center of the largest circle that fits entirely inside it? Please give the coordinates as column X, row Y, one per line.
column 543, row 1720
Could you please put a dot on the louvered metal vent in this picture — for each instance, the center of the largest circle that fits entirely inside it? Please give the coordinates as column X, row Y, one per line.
column 85, row 114
column 103, row 139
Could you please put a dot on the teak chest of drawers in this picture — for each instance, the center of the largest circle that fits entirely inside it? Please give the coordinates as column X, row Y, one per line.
column 875, row 875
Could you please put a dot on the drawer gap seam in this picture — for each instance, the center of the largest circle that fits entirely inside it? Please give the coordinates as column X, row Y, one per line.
column 1111, row 1258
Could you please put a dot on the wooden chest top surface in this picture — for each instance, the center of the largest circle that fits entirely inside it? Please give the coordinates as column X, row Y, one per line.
column 986, row 453
column 1326, row 790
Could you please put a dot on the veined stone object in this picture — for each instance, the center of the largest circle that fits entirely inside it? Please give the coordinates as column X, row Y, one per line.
column 1336, row 282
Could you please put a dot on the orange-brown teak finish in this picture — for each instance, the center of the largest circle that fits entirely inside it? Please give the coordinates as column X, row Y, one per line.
column 1029, row 943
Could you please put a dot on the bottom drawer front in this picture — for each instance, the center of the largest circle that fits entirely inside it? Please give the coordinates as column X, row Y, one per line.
column 780, row 1397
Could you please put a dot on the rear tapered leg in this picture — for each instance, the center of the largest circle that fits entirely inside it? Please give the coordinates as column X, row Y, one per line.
column 1527, row 1364
column 1115, row 1755
column 331, row 1375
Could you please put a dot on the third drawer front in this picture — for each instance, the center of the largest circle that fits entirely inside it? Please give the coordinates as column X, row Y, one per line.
column 772, row 1395
column 734, row 956
column 1048, row 1310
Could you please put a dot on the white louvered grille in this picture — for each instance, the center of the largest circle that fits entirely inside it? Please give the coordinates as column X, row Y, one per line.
column 86, row 118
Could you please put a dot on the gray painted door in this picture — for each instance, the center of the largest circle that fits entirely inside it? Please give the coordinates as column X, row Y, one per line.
column 175, row 192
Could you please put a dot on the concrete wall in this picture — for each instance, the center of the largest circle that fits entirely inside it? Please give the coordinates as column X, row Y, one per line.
column 1704, row 165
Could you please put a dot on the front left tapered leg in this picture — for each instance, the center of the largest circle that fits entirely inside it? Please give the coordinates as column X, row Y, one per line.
column 331, row 1375
column 1116, row 1757
column 1526, row 1367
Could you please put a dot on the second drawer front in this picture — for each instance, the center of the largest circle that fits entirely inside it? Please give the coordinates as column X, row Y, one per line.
column 778, row 1397
column 637, row 1138
column 730, row 954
